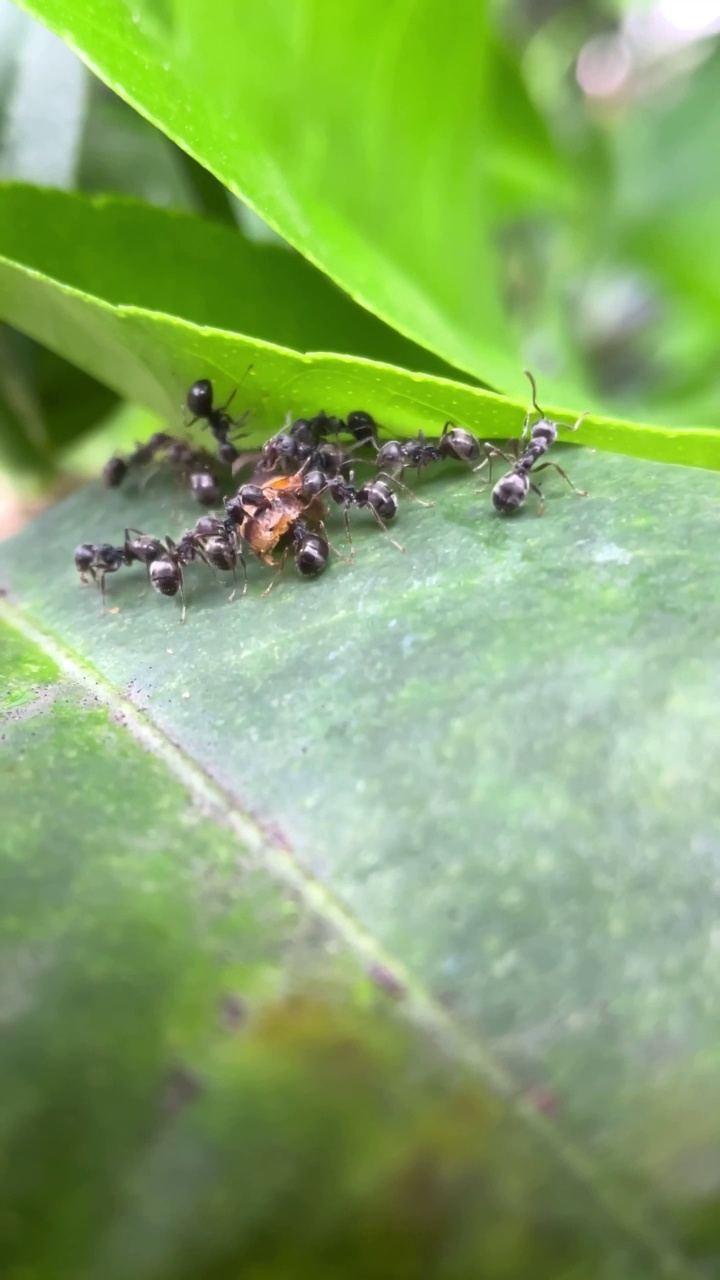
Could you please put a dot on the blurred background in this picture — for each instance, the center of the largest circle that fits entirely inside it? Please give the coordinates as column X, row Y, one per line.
column 621, row 280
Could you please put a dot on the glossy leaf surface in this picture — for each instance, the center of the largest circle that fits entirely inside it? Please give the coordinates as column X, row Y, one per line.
column 373, row 136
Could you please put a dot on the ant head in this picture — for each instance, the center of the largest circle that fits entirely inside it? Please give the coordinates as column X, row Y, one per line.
column 390, row 454
column 84, row 555
column 200, row 398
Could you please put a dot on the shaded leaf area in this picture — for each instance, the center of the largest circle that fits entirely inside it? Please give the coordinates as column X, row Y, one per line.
column 121, row 153
column 195, row 1076
column 122, row 338
column 135, row 255
column 46, row 404
column 393, row 178
column 498, row 751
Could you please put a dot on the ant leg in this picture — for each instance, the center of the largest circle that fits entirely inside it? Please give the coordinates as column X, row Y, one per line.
column 229, row 401
column 147, row 476
column 241, row 558
column 491, row 452
column 202, row 556
column 583, row 492
column 231, row 597
column 541, row 500
column 385, row 530
column 347, row 559
column 267, row 590
column 100, row 580
column 348, row 536
column 410, row 493
column 577, row 424
column 182, row 594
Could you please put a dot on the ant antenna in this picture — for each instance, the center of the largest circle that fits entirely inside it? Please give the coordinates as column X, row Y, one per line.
column 531, row 380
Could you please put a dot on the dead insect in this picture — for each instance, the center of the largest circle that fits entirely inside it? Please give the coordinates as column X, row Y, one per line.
column 263, row 513
column 511, row 491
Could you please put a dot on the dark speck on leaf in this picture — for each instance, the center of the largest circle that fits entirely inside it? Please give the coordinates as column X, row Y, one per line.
column 233, row 1011
column 180, row 1088
column 386, row 980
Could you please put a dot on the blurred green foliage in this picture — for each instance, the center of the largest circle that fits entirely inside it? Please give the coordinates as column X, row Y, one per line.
column 458, row 179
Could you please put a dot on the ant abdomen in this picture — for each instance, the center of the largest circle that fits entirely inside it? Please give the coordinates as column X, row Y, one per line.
column 220, row 553
column 459, row 443
column 381, row 498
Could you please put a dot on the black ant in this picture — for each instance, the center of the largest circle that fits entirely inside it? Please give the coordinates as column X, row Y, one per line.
column 304, row 442
column 376, row 495
column 512, row 489
column 310, row 547
column 117, row 467
column 214, row 542
column 362, row 426
column 193, row 465
column 200, row 403
column 250, row 500
column 98, row 559
column 286, row 451
column 397, row 455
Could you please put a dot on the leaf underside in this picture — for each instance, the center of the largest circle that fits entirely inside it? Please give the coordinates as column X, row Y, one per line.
column 149, row 337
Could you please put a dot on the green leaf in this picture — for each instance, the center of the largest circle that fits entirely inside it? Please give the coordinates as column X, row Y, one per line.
column 486, row 769
column 45, row 404
column 372, row 136
column 130, row 294
column 122, row 154
column 44, row 107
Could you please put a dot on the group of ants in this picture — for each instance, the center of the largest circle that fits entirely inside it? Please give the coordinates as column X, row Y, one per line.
column 300, row 467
